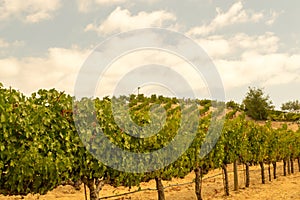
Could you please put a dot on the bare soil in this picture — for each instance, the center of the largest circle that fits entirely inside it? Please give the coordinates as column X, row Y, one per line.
column 280, row 188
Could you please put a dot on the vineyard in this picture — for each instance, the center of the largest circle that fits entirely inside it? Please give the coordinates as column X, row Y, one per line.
column 44, row 145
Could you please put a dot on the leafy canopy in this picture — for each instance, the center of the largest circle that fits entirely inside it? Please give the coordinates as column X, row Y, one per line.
column 292, row 106
column 256, row 104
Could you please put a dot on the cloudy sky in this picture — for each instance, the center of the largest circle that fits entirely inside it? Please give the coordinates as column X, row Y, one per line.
column 43, row 44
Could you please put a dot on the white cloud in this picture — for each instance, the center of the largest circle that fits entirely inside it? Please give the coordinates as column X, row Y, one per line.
column 125, row 65
column 6, row 47
column 9, row 67
column 88, row 5
column 246, row 59
column 58, row 69
column 266, row 43
column 105, row 2
column 123, row 20
column 84, row 5
column 6, row 44
column 273, row 16
column 36, row 17
column 216, row 46
column 3, row 43
column 243, row 59
column 219, row 46
column 235, row 15
column 252, row 67
column 31, row 11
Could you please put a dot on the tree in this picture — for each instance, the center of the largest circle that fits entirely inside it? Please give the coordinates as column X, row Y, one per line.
column 233, row 105
column 256, row 104
column 292, row 106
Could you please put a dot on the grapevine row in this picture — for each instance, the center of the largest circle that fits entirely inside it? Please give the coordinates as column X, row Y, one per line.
column 40, row 147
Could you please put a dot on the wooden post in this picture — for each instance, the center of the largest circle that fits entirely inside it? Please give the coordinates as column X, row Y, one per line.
column 198, row 182
column 247, row 184
column 262, row 168
column 274, row 170
column 236, row 176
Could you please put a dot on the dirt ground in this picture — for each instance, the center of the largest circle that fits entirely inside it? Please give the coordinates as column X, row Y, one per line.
column 291, row 125
column 280, row 188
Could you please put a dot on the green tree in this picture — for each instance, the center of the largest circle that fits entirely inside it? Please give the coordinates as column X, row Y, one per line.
column 257, row 105
column 233, row 105
column 292, row 106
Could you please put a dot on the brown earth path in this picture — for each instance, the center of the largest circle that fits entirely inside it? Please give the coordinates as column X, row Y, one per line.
column 282, row 188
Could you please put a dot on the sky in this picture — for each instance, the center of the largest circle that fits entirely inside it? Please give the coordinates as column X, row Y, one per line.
column 45, row 44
